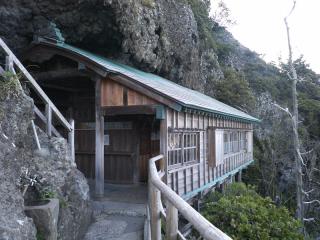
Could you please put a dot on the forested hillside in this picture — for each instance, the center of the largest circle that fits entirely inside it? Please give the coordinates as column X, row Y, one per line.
column 250, row 84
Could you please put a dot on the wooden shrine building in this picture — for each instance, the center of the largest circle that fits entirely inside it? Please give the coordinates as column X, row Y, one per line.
column 123, row 117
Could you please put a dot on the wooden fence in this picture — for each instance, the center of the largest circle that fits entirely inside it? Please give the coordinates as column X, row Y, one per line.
column 174, row 204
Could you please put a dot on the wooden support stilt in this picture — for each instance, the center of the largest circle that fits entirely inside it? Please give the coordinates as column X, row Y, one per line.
column 239, row 176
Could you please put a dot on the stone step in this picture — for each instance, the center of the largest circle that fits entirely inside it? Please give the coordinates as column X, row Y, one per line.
column 116, row 227
column 119, row 208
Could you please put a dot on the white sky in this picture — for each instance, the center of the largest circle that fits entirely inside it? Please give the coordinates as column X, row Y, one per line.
column 260, row 27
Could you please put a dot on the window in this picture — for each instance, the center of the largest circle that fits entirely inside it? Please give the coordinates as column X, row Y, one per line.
column 183, row 147
column 226, row 143
column 222, row 142
column 218, row 144
column 235, row 141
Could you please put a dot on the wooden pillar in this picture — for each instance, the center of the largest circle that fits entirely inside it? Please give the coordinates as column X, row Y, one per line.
column 220, row 187
column 163, row 145
column 233, row 178
column 99, row 158
column 71, row 140
column 171, row 222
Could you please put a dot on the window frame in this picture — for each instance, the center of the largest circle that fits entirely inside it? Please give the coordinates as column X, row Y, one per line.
column 237, row 142
column 188, row 146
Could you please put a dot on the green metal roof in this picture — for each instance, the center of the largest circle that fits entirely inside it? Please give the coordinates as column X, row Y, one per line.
column 187, row 98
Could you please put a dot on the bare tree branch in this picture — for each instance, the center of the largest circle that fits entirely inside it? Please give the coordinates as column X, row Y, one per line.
column 308, row 192
column 286, row 110
column 309, row 219
column 305, row 153
column 312, row 201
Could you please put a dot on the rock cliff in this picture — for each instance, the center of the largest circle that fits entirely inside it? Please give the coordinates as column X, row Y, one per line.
column 52, row 163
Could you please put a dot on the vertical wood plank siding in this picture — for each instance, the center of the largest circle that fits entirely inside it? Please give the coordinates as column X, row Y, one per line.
column 188, row 177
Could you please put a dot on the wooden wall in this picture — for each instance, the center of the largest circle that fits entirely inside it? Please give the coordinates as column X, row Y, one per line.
column 115, row 94
column 187, row 178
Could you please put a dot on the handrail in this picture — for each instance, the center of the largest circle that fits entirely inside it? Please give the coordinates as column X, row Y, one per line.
column 174, row 204
column 51, row 109
column 36, row 86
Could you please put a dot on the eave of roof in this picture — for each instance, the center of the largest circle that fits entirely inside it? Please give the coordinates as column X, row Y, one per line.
column 189, row 99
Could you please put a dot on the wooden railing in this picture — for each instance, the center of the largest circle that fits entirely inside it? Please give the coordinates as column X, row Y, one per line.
column 174, row 204
column 50, row 109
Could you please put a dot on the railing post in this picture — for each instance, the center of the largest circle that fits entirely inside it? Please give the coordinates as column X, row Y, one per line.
column 49, row 119
column 35, row 135
column 154, row 206
column 9, row 63
column 71, row 139
column 171, row 222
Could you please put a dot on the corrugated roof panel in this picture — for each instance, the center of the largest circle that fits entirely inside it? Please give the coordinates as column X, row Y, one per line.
column 185, row 96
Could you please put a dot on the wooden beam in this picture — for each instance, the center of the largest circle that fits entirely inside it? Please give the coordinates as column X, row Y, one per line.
column 129, row 110
column 99, row 158
column 49, row 49
column 59, row 74
column 66, row 89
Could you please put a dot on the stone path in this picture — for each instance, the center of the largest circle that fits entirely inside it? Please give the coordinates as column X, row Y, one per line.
column 118, row 216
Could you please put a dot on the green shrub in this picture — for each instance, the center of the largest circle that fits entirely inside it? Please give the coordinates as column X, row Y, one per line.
column 46, row 193
column 244, row 214
column 9, row 85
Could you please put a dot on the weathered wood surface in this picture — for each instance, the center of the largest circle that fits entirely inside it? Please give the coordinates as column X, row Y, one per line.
column 116, row 94
column 171, row 221
column 187, row 178
column 35, row 135
column 43, row 118
column 157, row 187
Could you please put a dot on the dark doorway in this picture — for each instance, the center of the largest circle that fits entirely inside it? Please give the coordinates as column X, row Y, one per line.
column 130, row 141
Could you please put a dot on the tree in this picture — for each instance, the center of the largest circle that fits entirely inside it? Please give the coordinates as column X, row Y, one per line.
column 222, row 15
column 234, row 90
column 301, row 167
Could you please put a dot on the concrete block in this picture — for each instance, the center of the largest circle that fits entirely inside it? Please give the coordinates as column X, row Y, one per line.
column 45, row 216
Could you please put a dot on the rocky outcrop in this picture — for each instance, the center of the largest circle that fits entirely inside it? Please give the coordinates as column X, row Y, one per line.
column 53, row 163
column 157, row 36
